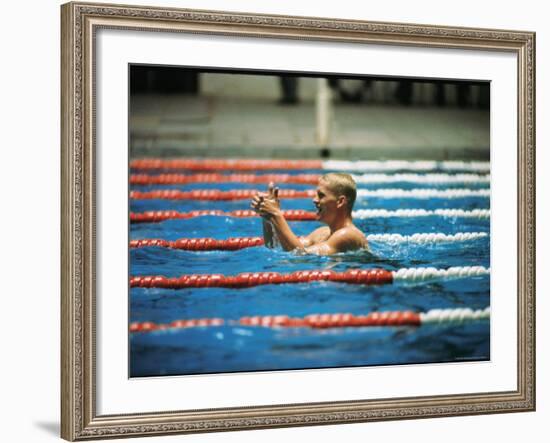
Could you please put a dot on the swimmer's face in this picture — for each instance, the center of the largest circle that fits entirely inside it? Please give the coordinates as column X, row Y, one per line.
column 326, row 202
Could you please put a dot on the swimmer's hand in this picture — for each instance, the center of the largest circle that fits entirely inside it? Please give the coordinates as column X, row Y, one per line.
column 267, row 204
column 273, row 192
column 269, row 209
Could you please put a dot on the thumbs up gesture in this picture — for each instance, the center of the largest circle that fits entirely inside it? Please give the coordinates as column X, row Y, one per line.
column 267, row 204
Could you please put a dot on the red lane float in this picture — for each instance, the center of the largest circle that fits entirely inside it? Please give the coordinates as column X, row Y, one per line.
column 148, row 326
column 214, row 194
column 250, row 279
column 224, row 164
column 316, row 321
column 182, row 179
column 159, row 216
column 200, row 244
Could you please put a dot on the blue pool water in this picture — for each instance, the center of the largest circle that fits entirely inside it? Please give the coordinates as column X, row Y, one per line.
column 232, row 348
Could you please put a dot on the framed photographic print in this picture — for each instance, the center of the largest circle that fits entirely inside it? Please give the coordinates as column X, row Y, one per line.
column 281, row 221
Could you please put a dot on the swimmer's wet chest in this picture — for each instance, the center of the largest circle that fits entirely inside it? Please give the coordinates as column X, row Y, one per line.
column 320, row 235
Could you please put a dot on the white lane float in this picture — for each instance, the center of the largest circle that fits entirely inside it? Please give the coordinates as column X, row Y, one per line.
column 423, row 193
column 458, row 213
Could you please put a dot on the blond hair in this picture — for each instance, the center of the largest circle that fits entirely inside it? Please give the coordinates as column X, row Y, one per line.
column 342, row 184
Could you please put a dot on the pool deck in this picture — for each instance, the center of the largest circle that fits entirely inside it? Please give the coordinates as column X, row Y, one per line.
column 210, row 126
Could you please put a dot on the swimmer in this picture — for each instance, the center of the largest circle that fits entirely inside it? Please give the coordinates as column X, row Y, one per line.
column 334, row 198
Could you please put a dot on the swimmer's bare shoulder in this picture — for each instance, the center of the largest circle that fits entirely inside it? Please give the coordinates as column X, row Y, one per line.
column 349, row 238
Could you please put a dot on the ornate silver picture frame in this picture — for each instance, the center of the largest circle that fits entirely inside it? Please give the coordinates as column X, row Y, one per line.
column 79, row 388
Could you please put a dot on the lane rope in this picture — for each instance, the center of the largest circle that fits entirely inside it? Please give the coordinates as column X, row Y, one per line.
column 334, row 165
column 159, row 216
column 427, row 238
column 416, row 275
column 324, row 321
column 412, row 165
column 245, row 194
column 459, row 315
column 380, row 213
column 423, row 193
column 300, row 215
column 422, row 178
column 200, row 244
column 180, row 179
column 308, row 179
column 224, row 164
column 352, row 276
column 214, row 194
column 236, row 243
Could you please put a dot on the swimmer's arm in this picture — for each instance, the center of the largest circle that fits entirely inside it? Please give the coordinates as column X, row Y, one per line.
column 289, row 241
column 267, row 228
column 257, row 203
column 269, row 240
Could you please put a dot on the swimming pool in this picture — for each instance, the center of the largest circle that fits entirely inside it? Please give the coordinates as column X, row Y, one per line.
column 235, row 347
